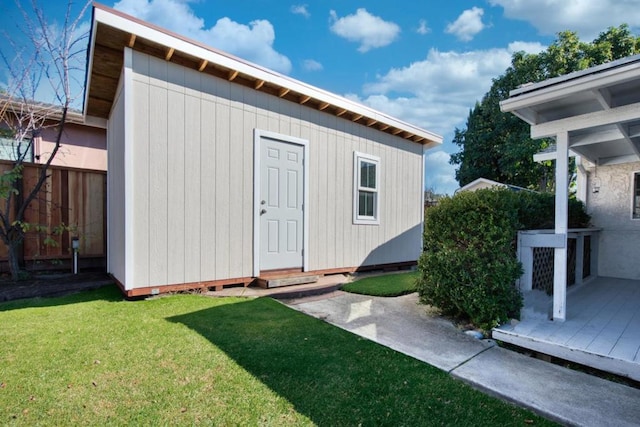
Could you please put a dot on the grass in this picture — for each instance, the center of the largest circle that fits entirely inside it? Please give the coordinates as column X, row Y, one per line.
column 94, row 359
column 385, row 285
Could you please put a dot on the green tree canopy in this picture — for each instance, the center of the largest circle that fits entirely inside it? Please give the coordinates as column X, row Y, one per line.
column 496, row 145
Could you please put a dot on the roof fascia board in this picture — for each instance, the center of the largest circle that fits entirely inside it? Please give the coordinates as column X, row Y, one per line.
column 585, row 83
column 104, row 16
column 616, row 115
column 87, row 83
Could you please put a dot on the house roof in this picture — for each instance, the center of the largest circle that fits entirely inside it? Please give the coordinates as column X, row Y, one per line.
column 599, row 108
column 112, row 31
column 484, row 182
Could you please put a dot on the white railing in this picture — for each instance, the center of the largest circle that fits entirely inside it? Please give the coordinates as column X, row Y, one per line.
column 539, row 263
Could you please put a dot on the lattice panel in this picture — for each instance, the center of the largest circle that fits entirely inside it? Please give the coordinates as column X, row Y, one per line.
column 543, row 269
column 571, row 262
column 543, row 265
column 586, row 266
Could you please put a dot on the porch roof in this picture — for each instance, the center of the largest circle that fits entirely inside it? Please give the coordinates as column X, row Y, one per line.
column 599, row 107
column 112, row 31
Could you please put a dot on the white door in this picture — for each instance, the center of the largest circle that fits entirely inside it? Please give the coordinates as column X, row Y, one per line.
column 281, row 204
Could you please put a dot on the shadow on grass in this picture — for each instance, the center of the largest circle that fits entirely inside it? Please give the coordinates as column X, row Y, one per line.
column 110, row 293
column 336, row 378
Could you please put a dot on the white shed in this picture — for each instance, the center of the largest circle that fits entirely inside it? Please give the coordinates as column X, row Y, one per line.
column 221, row 172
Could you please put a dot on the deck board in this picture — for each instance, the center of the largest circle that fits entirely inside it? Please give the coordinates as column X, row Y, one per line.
column 602, row 328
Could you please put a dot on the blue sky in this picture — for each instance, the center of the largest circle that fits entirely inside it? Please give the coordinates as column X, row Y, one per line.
column 424, row 62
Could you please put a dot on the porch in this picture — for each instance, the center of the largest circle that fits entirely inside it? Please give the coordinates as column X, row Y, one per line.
column 601, row 330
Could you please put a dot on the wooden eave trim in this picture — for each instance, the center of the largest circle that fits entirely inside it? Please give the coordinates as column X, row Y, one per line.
column 221, row 64
column 132, row 40
column 283, row 91
column 169, row 54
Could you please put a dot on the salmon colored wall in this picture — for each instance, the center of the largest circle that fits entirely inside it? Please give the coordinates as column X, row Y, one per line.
column 82, row 147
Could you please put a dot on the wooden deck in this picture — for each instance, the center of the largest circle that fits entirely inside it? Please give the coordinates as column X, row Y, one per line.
column 602, row 329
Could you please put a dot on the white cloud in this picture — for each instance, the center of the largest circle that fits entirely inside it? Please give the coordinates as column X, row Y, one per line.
column 587, row 17
column 364, row 28
column 439, row 174
column 300, row 9
column 468, row 24
column 311, row 65
column 422, row 28
column 253, row 42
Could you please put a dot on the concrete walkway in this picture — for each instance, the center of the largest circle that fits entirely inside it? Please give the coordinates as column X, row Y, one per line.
column 567, row 396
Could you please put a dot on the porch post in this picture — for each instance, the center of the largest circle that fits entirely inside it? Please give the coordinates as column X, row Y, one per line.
column 561, row 223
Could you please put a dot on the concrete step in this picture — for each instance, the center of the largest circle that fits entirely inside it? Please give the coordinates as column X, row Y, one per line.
column 277, row 282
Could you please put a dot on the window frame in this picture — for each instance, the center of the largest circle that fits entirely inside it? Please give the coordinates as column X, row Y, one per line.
column 358, row 159
column 635, row 192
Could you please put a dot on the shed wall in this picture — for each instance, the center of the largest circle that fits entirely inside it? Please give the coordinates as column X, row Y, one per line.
column 610, row 209
column 193, row 179
column 116, row 230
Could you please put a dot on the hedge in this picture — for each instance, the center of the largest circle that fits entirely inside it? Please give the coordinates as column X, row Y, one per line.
column 469, row 267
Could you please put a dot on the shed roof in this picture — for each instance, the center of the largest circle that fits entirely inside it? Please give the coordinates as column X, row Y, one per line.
column 112, row 31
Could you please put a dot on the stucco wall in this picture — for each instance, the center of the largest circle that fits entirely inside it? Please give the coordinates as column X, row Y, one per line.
column 193, row 179
column 610, row 208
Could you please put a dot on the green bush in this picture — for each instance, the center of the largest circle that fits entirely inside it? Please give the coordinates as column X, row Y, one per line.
column 469, row 267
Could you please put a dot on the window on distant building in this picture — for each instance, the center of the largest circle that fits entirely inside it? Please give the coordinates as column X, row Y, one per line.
column 366, row 189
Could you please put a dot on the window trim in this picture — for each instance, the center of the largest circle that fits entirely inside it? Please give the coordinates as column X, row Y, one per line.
column 634, row 175
column 359, row 157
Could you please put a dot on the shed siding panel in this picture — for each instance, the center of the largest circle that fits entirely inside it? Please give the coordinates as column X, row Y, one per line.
column 140, row 176
column 236, row 192
column 116, row 191
column 194, row 179
column 158, row 183
column 176, row 186
column 192, row 203
column 222, row 183
column 206, row 186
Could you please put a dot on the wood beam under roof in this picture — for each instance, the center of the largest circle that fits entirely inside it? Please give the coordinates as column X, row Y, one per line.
column 323, row 106
column 283, row 91
column 303, row 99
column 356, row 117
column 203, row 65
column 371, row 122
column 341, row 112
column 169, row 54
column 232, row 75
column 132, row 40
column 259, row 84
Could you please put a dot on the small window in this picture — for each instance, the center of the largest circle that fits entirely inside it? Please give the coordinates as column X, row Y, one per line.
column 636, row 196
column 366, row 188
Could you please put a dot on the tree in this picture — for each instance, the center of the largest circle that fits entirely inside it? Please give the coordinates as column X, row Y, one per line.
column 497, row 146
column 44, row 60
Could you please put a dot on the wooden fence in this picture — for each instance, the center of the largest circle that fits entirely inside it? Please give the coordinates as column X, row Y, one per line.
column 73, row 197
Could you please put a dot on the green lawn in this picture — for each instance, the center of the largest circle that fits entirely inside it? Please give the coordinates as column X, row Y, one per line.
column 94, row 359
column 385, row 285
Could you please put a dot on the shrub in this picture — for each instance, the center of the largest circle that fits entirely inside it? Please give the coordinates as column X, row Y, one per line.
column 469, row 265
